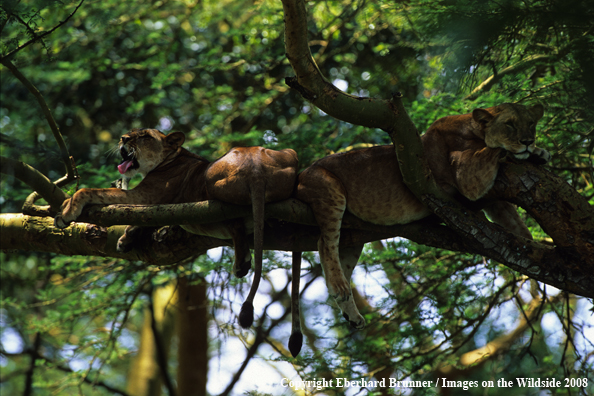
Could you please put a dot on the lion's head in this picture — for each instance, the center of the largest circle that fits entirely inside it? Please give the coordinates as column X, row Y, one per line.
column 143, row 150
column 510, row 126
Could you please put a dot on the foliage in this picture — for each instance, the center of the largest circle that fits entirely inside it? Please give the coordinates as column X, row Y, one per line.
column 215, row 70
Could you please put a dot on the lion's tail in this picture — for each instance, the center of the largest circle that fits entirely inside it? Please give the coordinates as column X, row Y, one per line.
column 258, row 194
column 296, row 339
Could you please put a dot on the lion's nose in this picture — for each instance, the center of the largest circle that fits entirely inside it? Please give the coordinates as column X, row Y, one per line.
column 125, row 139
column 527, row 142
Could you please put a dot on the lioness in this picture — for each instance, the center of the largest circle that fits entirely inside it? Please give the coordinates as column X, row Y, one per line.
column 463, row 152
column 172, row 174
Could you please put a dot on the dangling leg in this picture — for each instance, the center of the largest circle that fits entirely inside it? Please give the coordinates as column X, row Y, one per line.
column 337, row 281
column 349, row 257
column 296, row 339
column 326, row 196
column 243, row 256
column 258, row 191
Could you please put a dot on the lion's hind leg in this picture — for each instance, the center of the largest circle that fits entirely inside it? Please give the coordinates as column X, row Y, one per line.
column 258, row 195
column 349, row 257
column 243, row 258
column 326, row 196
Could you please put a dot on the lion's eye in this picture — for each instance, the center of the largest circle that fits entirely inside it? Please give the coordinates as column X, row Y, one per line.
column 510, row 126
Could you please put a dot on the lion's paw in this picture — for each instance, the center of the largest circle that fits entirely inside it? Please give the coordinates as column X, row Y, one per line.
column 130, row 238
column 339, row 289
column 241, row 270
column 357, row 321
column 539, row 156
column 61, row 222
column 124, row 244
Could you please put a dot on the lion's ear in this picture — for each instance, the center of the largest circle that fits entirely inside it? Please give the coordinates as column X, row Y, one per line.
column 537, row 111
column 175, row 139
column 481, row 116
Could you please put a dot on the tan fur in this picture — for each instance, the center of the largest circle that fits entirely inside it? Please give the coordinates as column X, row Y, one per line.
column 463, row 152
column 243, row 176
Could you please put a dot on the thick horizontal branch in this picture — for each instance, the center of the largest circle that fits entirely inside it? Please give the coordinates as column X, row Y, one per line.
column 290, row 227
column 563, row 213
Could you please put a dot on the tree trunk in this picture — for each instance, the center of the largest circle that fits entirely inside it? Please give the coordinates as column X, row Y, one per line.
column 146, row 375
column 192, row 331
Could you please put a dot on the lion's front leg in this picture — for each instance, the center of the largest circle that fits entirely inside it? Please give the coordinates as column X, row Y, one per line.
column 72, row 207
column 475, row 171
column 506, row 215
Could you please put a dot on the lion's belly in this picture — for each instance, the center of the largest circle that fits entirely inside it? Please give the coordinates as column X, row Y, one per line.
column 374, row 187
column 385, row 204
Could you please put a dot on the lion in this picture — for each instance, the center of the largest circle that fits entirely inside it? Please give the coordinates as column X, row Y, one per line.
column 463, row 152
column 244, row 176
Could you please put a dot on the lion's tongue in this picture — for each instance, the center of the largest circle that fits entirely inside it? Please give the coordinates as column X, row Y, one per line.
column 124, row 166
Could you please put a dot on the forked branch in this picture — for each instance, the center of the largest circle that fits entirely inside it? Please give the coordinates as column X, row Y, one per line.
column 571, row 272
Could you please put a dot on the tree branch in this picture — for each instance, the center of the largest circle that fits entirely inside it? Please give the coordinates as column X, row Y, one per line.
column 34, row 179
column 310, row 82
column 566, row 267
column 11, row 54
column 260, row 337
column 68, row 162
column 473, row 360
column 513, row 70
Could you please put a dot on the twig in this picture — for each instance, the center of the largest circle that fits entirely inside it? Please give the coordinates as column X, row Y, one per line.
column 39, row 356
column 47, row 113
column 11, row 54
column 31, row 370
column 261, row 337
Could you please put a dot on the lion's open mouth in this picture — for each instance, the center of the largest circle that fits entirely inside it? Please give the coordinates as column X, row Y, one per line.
column 128, row 163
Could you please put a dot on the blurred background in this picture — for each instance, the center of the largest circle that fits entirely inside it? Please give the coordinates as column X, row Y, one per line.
column 215, row 70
